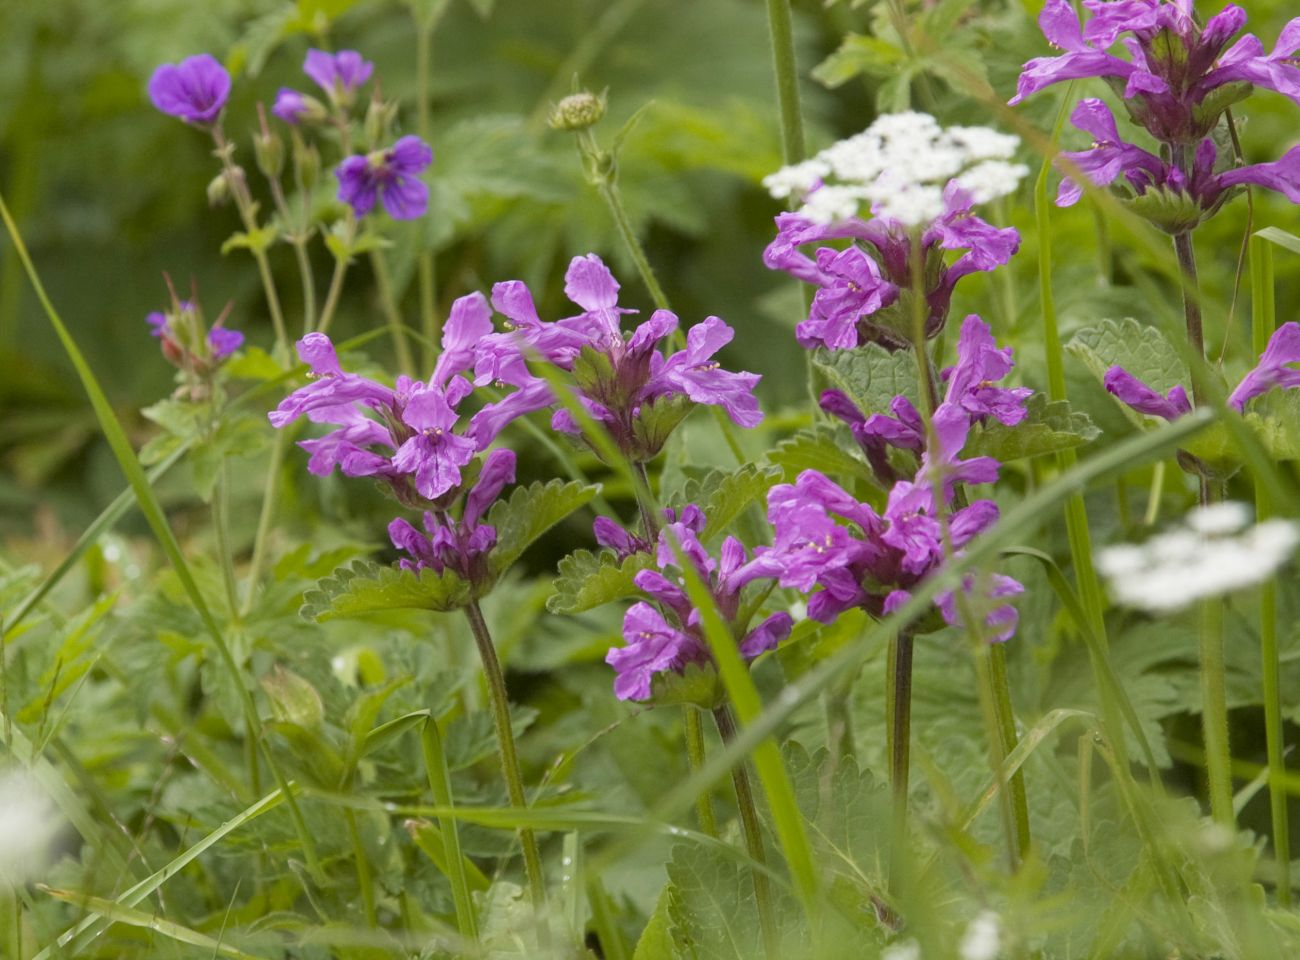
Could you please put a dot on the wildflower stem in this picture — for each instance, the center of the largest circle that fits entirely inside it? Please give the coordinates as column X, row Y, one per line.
column 265, row 518
column 645, row 502
column 247, row 213
column 753, row 836
column 839, row 723
column 694, row 734
column 298, row 240
column 1214, row 712
column 392, row 312
column 781, row 28
column 332, row 297
column 499, row 703
column 1263, row 322
column 900, row 741
column 220, row 528
column 1001, row 690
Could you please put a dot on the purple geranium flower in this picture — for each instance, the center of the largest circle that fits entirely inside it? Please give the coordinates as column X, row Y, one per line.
column 338, row 74
column 293, row 107
column 194, row 90
column 654, row 645
column 185, row 342
column 980, row 364
column 390, row 176
column 223, row 342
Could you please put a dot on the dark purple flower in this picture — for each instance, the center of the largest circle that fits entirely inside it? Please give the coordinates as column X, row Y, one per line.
column 194, row 90
column 1274, row 368
column 338, row 74
column 390, row 176
column 1136, row 394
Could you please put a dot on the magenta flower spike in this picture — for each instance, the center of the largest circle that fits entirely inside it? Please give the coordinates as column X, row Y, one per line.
column 193, row 90
column 390, row 177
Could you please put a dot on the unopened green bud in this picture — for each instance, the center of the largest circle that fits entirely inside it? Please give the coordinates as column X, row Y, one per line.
column 293, row 698
column 269, row 150
column 306, row 159
column 379, row 118
column 219, row 187
column 578, row 111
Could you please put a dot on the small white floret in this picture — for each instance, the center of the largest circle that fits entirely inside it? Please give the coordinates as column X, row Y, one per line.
column 983, row 937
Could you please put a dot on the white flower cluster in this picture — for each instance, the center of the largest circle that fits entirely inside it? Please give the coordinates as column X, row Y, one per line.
column 1215, row 551
column 900, row 165
column 983, row 938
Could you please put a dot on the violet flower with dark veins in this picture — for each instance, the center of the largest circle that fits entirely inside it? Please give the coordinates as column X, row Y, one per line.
column 390, row 177
column 193, row 90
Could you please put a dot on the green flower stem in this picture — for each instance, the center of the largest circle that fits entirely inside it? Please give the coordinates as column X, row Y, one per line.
column 1263, row 323
column 781, row 28
column 749, row 827
column 838, row 711
column 997, row 743
column 248, row 214
column 435, row 765
column 392, row 312
column 265, row 517
column 365, row 881
column 499, row 702
column 220, row 527
column 298, row 240
column 900, row 741
column 332, row 297
column 694, row 734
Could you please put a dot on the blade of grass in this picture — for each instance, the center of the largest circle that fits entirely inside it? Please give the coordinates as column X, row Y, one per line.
column 157, row 520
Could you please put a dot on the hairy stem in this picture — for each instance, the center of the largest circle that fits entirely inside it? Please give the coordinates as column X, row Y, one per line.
column 265, row 518
column 499, row 702
column 392, row 312
column 365, row 882
column 753, row 836
column 645, row 503
column 1001, row 690
column 694, row 734
column 221, row 528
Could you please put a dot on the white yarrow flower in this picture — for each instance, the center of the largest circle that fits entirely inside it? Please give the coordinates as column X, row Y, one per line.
column 28, row 826
column 983, row 937
column 900, row 165
column 907, row 950
column 1213, row 553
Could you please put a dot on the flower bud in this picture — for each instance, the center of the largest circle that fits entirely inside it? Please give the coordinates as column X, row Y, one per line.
column 218, row 190
column 379, row 118
column 269, row 150
column 577, row 111
column 293, row 698
column 306, row 160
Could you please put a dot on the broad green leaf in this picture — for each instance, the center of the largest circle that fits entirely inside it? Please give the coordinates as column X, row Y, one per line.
column 821, row 447
column 365, row 587
column 858, row 54
column 846, row 808
column 870, row 375
column 529, row 513
column 1139, row 348
column 656, row 941
column 1048, row 427
column 1276, row 420
column 711, row 906
column 588, row 580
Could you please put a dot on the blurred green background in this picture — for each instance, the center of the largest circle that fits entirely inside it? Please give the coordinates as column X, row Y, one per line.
column 110, row 194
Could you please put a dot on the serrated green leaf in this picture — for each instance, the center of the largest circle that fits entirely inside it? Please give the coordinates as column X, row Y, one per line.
column 1048, row 427
column 711, row 906
column 846, row 808
column 365, row 587
column 1275, row 418
column 820, row 447
column 724, row 495
column 858, row 54
column 588, row 580
column 697, row 685
column 529, row 513
column 1139, row 348
column 656, row 941
column 870, row 375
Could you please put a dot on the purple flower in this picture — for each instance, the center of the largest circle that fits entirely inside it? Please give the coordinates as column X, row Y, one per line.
column 433, row 455
column 980, row 364
column 1003, row 618
column 1136, row 394
column 184, row 341
column 865, row 280
column 194, row 90
column 653, row 644
column 338, row 74
column 223, row 342
column 390, row 176
column 293, row 107
column 462, row 545
column 1274, row 368
column 624, row 377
